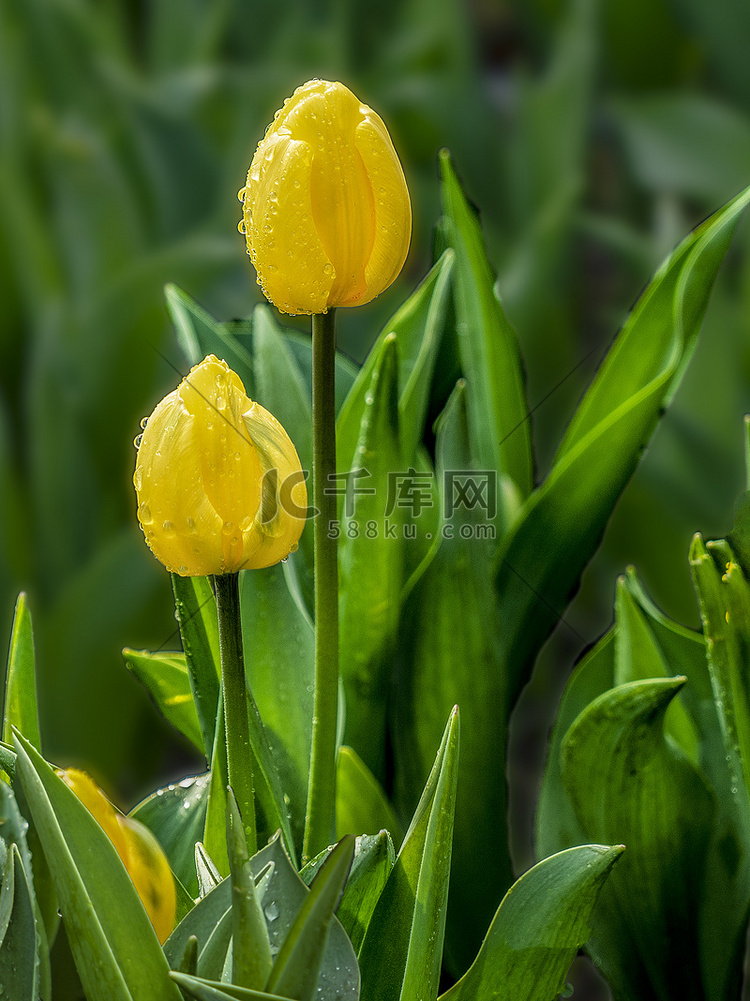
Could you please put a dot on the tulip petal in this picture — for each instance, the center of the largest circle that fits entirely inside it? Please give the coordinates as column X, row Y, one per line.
column 391, row 205
column 278, row 188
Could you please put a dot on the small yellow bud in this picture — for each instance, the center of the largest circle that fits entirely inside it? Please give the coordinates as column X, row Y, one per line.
column 138, row 849
column 326, row 210
column 219, row 483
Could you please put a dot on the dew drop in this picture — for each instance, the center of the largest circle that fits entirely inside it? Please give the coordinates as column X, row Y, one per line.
column 144, row 422
column 241, row 226
column 168, row 529
column 567, row 991
column 221, row 404
column 241, row 194
column 271, row 911
column 191, row 525
column 137, row 440
column 327, row 269
column 145, row 514
column 137, row 477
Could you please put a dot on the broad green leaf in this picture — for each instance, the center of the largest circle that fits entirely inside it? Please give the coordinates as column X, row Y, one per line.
column 209, row 990
column 556, row 825
column 165, row 676
column 251, row 949
column 195, row 609
column 117, row 953
column 401, row 955
column 20, row 709
column 278, row 645
column 418, row 326
column 298, row 964
column 176, row 815
column 374, row 858
column 541, row 923
column 19, row 939
column 371, row 563
column 638, row 657
column 603, row 444
column 215, row 829
column 204, row 918
column 284, row 898
column 281, row 388
column 490, row 357
column 199, row 334
column 361, row 804
column 629, row 784
column 454, row 653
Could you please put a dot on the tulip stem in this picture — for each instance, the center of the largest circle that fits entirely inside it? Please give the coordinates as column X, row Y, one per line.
column 321, row 790
column 239, row 753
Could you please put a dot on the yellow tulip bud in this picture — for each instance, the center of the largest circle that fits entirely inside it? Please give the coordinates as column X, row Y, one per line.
column 218, row 480
column 138, row 849
column 326, row 210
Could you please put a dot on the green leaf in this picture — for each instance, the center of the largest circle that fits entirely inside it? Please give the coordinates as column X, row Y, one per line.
column 176, row 815
column 402, row 951
column 195, row 609
column 490, row 357
column 629, row 784
column 361, row 804
column 454, row 653
column 117, row 954
column 638, row 657
column 418, row 326
column 541, row 923
column 209, row 990
column 283, row 900
column 281, row 388
column 165, row 676
column 297, row 967
column 278, row 643
column 725, row 611
column 556, row 823
column 199, row 334
column 20, row 709
column 251, row 949
column 201, row 922
column 19, row 939
column 371, row 564
column 603, row 444
column 374, row 858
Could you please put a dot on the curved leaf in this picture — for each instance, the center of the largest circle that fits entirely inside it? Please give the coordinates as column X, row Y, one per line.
column 628, row 784
column 116, row 950
column 165, row 677
column 604, row 442
column 401, row 955
column 541, row 923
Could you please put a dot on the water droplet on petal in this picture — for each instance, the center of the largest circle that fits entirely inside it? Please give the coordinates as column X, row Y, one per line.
column 144, row 422
column 137, row 477
column 137, row 440
column 241, row 194
column 168, row 529
column 144, row 513
column 241, row 226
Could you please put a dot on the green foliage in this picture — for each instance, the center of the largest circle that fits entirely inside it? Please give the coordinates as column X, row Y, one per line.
column 659, row 762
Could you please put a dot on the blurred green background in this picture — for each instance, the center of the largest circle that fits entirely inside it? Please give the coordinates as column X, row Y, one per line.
column 593, row 135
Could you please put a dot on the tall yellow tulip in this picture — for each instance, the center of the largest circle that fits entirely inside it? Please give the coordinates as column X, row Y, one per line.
column 219, row 482
column 326, row 210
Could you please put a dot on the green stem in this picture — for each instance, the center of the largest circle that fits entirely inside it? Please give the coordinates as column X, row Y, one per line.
column 321, row 790
column 239, row 753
